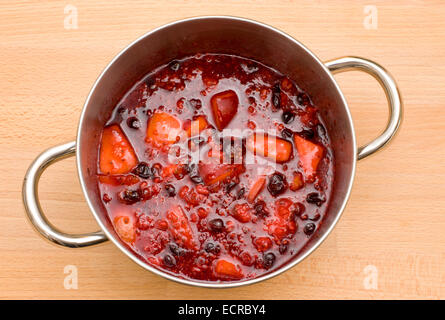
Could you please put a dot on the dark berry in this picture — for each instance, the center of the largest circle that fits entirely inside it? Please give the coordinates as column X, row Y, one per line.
column 211, row 247
column 315, row 198
column 156, row 170
column 241, row 193
column 277, row 184
column 176, row 250
column 288, row 117
column 309, row 228
column 149, row 81
column 268, row 260
column 230, row 186
column 283, row 248
column 192, row 169
column 216, row 225
column 261, row 209
column 130, row 196
column 276, row 96
column 307, row 134
column 287, row 133
column 169, row 260
column 133, row 123
column 143, row 170
column 174, row 65
column 197, row 179
column 171, row 191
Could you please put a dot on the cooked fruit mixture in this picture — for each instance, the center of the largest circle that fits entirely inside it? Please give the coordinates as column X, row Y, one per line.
column 215, row 168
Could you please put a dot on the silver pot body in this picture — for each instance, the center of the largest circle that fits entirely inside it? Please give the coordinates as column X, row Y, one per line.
column 215, row 34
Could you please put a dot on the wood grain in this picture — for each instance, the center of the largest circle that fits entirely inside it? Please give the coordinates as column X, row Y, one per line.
column 395, row 219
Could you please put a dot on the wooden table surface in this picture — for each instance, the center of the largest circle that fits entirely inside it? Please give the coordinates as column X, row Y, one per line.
column 390, row 240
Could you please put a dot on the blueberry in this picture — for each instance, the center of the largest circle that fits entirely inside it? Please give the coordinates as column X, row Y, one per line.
column 211, row 247
column 241, row 193
column 171, row 191
column 130, row 196
column 287, row 133
column 230, row 186
column 283, row 248
column 268, row 260
column 309, row 228
column 197, row 179
column 288, row 117
column 307, row 134
column 261, row 209
column 169, row 260
column 277, row 184
column 315, row 198
column 276, row 96
column 133, row 123
column 176, row 250
column 143, row 170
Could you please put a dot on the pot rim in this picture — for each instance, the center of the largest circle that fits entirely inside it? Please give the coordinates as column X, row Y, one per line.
column 198, row 283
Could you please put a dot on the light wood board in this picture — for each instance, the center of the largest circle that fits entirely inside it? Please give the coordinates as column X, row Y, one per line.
column 393, row 228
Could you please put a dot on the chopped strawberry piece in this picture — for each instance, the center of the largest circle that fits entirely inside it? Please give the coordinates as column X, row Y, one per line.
column 283, row 224
column 262, row 244
column 163, row 129
column 282, row 208
column 224, row 108
column 125, row 228
column 119, row 180
column 195, row 126
column 298, row 182
column 213, row 172
column 257, row 187
column 180, row 228
column 228, row 270
column 242, row 212
column 271, row 147
column 116, row 153
column 310, row 155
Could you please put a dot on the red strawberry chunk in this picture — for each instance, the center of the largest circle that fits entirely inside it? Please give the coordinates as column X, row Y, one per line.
column 242, row 212
column 228, row 270
column 282, row 225
column 180, row 228
column 224, row 107
column 163, row 129
column 116, row 153
column 310, row 155
column 262, row 244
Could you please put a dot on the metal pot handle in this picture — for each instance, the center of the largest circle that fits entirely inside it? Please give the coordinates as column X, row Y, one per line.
column 392, row 95
column 32, row 203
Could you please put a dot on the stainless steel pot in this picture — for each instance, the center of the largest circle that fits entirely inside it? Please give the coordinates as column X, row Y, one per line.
column 214, row 34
